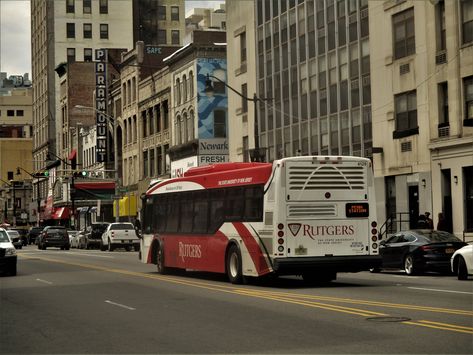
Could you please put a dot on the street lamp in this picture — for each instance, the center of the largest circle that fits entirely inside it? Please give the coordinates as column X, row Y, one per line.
column 257, row 154
column 38, row 197
column 115, row 152
column 12, row 186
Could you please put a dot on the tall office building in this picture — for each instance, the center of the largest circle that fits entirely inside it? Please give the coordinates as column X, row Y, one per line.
column 313, row 77
column 71, row 30
column 422, row 75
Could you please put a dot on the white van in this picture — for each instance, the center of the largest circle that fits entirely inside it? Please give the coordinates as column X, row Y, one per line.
column 7, row 254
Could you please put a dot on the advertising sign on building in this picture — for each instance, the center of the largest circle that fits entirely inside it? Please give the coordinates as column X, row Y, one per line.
column 101, row 103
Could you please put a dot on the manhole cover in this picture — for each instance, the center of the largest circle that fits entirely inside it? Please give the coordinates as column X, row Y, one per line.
column 388, row 319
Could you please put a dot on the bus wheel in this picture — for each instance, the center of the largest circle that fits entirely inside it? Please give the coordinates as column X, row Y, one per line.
column 234, row 267
column 160, row 260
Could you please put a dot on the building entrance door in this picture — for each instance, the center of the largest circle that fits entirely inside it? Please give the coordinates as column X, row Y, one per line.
column 413, row 206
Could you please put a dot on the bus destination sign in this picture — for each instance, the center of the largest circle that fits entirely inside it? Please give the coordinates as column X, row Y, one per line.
column 357, row 210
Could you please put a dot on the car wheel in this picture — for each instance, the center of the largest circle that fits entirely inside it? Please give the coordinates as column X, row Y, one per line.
column 12, row 270
column 67, row 247
column 409, row 265
column 375, row 270
column 110, row 246
column 128, row 248
column 233, row 265
column 462, row 272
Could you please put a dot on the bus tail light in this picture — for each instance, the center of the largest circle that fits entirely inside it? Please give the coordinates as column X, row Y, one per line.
column 280, row 234
column 374, row 245
column 280, row 248
column 374, row 224
column 280, row 226
column 280, row 241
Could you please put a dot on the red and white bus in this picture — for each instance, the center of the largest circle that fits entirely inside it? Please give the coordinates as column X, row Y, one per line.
column 311, row 215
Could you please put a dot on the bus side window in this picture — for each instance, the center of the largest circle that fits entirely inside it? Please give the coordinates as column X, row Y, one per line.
column 253, row 204
column 217, row 211
column 172, row 214
column 187, row 212
column 159, row 215
column 201, row 212
column 234, row 204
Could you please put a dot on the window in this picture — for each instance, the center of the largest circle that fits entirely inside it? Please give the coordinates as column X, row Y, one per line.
column 468, row 92
column 87, row 6
column 161, row 36
column 70, row 6
column 174, row 13
column 243, row 47
column 20, row 113
column 87, row 30
column 440, row 26
column 87, row 54
column 406, row 114
column 404, row 34
column 71, row 30
column 10, row 113
column 220, row 128
column 244, row 101
column 467, row 21
column 174, row 36
column 443, row 104
column 161, row 12
column 103, row 6
column 71, row 55
column 103, row 31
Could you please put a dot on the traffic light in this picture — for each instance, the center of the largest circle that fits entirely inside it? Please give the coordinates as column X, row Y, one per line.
column 41, row 174
column 80, row 174
column 74, row 162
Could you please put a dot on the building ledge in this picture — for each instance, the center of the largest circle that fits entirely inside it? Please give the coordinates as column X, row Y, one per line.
column 445, row 143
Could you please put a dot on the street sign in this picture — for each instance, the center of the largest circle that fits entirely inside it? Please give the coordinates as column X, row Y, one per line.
column 122, row 189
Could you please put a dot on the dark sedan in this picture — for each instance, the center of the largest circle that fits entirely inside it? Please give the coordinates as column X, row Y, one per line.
column 419, row 250
column 54, row 236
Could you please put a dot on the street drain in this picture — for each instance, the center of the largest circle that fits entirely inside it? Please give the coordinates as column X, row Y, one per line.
column 388, row 319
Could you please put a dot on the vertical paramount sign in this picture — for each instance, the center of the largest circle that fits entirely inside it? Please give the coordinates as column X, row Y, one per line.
column 101, row 103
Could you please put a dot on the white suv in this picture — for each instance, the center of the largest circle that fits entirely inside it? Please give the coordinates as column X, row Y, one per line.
column 120, row 235
column 7, row 254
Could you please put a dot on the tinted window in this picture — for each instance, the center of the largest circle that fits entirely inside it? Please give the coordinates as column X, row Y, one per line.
column 437, row 236
column 4, row 237
column 56, row 231
column 121, row 226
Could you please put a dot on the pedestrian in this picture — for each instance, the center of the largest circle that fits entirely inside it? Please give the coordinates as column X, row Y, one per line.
column 422, row 222
column 442, row 223
column 430, row 222
column 137, row 224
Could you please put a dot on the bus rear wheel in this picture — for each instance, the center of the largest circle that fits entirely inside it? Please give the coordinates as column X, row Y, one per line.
column 234, row 267
column 160, row 260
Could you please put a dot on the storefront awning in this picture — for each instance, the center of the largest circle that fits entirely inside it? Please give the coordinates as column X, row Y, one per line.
column 61, row 213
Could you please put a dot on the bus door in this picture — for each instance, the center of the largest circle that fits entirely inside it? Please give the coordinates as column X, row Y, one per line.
column 327, row 208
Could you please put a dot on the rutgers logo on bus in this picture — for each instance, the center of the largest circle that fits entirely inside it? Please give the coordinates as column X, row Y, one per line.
column 294, row 228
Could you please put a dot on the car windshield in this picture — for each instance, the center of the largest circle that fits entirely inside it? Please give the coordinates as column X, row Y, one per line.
column 121, row 226
column 13, row 234
column 72, row 232
column 4, row 237
column 55, row 230
column 439, row 236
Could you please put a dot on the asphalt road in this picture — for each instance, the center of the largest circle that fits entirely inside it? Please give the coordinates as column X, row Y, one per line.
column 87, row 301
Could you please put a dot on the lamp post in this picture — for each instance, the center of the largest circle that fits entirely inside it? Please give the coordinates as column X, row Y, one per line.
column 115, row 152
column 38, row 197
column 11, row 185
column 257, row 154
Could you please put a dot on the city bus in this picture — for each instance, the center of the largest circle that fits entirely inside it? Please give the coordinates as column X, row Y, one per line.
column 311, row 216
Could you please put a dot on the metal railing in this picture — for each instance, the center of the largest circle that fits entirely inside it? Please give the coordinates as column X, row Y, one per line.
column 396, row 222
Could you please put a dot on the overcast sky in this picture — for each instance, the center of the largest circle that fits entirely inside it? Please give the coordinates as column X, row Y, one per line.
column 15, row 33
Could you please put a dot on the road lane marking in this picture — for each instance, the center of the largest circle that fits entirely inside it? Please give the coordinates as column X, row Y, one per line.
column 406, row 276
column 300, row 299
column 44, row 281
column 120, row 305
column 442, row 326
column 437, row 290
column 93, row 255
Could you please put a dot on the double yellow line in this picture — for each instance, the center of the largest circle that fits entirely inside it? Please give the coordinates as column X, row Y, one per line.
column 305, row 300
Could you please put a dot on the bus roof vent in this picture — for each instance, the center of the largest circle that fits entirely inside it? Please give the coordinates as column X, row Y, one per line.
column 326, row 177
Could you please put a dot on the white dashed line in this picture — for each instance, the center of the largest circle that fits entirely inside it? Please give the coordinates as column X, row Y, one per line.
column 120, row 305
column 436, row 290
column 44, row 281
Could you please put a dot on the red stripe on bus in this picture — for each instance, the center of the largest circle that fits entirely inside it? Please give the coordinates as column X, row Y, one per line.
column 253, row 248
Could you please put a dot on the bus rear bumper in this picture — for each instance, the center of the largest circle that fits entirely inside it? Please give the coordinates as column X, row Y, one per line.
column 294, row 266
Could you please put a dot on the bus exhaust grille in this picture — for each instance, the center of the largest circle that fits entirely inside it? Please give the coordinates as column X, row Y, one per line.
column 327, row 177
column 296, row 211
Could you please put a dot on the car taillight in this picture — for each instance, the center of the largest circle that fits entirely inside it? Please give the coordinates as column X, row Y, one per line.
column 113, row 234
column 425, row 248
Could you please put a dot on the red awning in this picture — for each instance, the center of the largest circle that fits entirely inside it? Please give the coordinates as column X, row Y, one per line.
column 61, row 213
column 72, row 154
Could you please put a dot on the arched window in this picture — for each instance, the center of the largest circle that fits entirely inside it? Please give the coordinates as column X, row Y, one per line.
column 191, row 85
column 178, row 130
column 184, row 88
column 178, row 91
column 184, row 128
column 190, row 126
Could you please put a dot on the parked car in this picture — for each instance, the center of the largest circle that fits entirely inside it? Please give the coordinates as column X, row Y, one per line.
column 94, row 234
column 120, row 235
column 462, row 262
column 33, row 234
column 54, row 236
column 23, row 235
column 71, row 234
column 15, row 238
column 419, row 250
column 8, row 256
column 79, row 240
